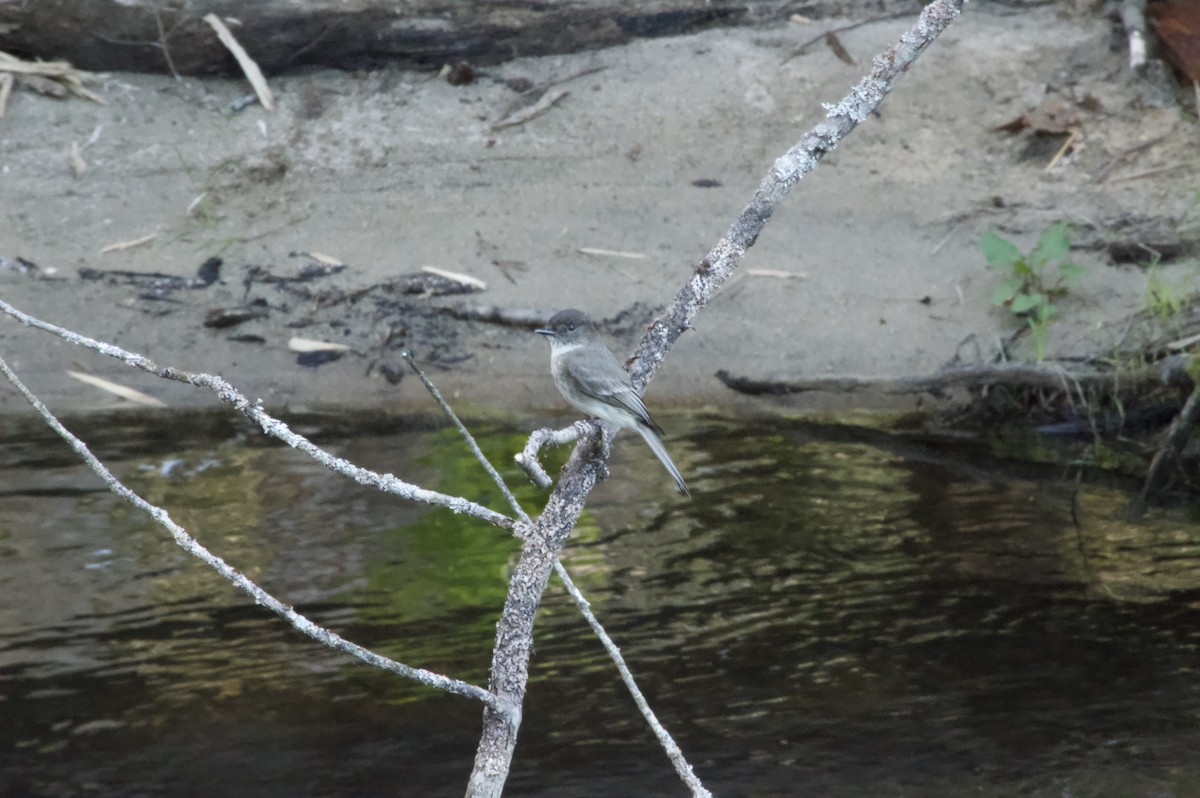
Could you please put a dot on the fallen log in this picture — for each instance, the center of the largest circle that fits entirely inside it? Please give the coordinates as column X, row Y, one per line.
column 279, row 35
column 1009, row 374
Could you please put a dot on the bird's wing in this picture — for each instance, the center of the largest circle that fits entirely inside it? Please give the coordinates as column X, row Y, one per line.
column 610, row 383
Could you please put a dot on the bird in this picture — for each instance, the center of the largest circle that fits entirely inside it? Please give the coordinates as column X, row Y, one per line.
column 591, row 379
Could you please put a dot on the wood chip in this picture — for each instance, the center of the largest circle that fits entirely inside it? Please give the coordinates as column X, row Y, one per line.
column 123, row 391
column 6, row 84
column 51, row 77
column 612, row 253
column 137, row 242
column 296, row 344
column 78, row 165
column 328, row 260
column 249, row 67
column 465, row 279
column 195, row 202
column 777, row 273
column 537, row 109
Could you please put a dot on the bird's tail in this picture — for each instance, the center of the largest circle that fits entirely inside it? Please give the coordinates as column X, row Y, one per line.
column 656, row 445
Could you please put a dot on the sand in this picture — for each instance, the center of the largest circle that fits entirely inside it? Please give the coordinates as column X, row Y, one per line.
column 871, row 267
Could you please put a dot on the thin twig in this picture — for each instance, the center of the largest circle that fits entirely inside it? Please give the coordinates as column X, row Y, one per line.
column 162, row 43
column 820, row 37
column 1121, row 156
column 532, row 112
column 470, row 439
column 248, row 65
column 1177, row 436
column 527, row 458
column 270, row 425
column 1175, row 167
column 674, row 753
column 1066, row 145
column 945, row 240
column 239, row 580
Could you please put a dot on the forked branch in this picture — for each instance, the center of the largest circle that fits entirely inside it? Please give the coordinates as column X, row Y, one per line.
column 510, row 660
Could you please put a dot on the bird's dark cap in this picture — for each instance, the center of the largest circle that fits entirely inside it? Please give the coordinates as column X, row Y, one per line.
column 565, row 321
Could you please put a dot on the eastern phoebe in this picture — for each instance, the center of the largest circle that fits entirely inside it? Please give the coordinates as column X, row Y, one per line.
column 590, row 378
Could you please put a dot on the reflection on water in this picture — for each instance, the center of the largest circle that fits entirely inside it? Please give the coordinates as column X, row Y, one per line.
column 835, row 612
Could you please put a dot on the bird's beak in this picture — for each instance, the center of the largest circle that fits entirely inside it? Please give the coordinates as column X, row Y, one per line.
column 544, row 331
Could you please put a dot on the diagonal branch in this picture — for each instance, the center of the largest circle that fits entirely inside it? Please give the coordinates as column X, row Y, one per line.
column 1177, row 436
column 510, row 660
column 239, row 580
column 674, row 753
column 724, row 258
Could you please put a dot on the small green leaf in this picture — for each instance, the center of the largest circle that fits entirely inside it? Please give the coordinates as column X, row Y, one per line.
column 1053, row 245
column 1021, row 266
column 1004, row 292
column 1023, row 303
column 1071, row 271
column 1000, row 253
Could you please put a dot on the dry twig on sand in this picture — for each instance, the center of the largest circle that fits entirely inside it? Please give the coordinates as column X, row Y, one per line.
column 58, row 73
column 249, row 66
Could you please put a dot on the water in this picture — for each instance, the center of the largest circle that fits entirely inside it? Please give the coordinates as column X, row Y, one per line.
column 836, row 612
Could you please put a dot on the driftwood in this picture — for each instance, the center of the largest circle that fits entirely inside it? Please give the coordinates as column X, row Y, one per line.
column 171, row 36
column 1016, row 375
column 1168, row 455
column 1090, row 385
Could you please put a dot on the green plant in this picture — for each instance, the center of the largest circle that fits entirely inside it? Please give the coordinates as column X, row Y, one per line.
column 1027, row 289
column 1165, row 298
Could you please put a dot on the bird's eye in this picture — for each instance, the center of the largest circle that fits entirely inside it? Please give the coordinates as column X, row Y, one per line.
column 570, row 328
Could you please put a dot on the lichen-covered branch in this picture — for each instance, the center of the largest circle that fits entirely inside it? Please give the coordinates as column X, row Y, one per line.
column 723, row 259
column 270, row 425
column 237, row 578
column 510, row 660
column 527, row 458
column 674, row 753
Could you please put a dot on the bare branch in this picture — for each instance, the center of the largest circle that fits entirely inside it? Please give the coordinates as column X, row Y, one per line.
column 270, row 425
column 470, row 439
column 723, row 259
column 239, row 580
column 510, row 660
column 514, row 631
column 1045, row 376
column 527, row 458
column 668, row 743
column 664, row 737
column 1177, row 436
